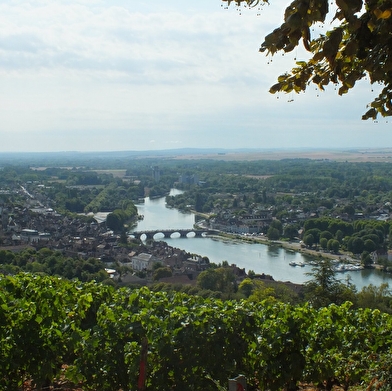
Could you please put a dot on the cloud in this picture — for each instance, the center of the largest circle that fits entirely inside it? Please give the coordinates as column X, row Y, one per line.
column 149, row 47
column 171, row 72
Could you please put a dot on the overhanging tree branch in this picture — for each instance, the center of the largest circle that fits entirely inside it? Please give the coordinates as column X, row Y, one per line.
column 358, row 47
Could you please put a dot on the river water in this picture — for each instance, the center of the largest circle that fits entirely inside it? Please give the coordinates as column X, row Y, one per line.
column 261, row 258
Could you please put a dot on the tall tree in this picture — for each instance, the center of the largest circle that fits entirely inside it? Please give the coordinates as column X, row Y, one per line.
column 357, row 46
column 324, row 288
column 290, row 231
column 273, row 233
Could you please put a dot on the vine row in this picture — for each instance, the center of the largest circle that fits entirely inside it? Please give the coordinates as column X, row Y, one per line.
column 100, row 338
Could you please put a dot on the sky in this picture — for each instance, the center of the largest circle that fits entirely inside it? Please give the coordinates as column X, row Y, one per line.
column 96, row 75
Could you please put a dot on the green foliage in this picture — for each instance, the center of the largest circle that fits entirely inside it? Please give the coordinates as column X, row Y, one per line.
column 324, row 243
column 269, row 292
column 366, row 260
column 40, row 316
column 290, row 231
column 246, row 287
column 162, row 272
column 376, row 297
column 333, row 245
column 363, row 235
column 193, row 343
column 275, row 223
column 273, row 233
column 52, row 263
column 326, row 234
column 309, row 240
column 119, row 217
column 315, row 233
column 324, row 288
column 355, row 245
column 217, row 279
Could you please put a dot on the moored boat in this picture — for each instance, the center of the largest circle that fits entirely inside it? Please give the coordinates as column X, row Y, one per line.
column 293, row 263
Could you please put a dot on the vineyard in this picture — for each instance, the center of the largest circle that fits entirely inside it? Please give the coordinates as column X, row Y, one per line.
column 91, row 336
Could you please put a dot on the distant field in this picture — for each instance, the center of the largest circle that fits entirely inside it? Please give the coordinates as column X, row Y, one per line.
column 349, row 155
column 115, row 173
column 358, row 155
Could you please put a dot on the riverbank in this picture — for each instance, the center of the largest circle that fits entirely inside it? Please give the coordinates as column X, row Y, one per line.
column 295, row 246
column 291, row 245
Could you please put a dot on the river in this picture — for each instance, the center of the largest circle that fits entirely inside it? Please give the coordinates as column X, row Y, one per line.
column 261, row 258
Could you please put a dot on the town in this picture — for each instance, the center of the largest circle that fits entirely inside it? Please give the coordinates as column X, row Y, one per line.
column 127, row 260
column 329, row 209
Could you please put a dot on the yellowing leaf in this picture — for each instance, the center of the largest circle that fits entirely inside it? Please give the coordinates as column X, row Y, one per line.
column 370, row 25
column 377, row 12
column 386, row 14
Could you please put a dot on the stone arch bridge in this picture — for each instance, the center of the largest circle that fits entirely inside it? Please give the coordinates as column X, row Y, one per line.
column 167, row 233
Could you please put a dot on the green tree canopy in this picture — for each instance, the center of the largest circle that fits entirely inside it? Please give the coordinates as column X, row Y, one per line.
column 326, row 234
column 315, row 232
column 273, row 233
column 162, row 272
column 324, row 288
column 309, row 240
column 277, row 224
column 290, row 231
column 324, row 243
column 220, row 279
column 333, row 245
column 246, row 287
column 357, row 46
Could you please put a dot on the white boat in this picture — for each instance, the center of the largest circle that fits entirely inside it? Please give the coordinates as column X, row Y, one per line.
column 343, row 267
column 292, row 263
column 340, row 267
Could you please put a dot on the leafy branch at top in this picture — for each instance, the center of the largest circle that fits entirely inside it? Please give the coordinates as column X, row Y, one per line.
column 358, row 47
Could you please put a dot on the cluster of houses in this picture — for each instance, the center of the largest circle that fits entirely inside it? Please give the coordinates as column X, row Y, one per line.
column 35, row 226
column 259, row 220
column 244, row 224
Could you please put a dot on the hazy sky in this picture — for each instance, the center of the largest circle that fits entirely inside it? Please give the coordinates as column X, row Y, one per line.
column 138, row 75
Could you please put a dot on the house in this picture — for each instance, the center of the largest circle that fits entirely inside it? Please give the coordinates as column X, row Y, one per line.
column 144, row 261
column 45, row 236
column 29, row 235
